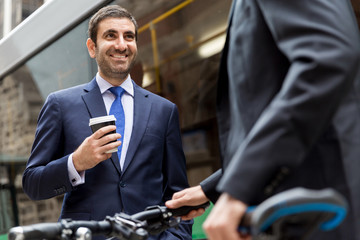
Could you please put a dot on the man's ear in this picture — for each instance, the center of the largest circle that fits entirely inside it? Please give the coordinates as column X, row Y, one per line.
column 91, row 47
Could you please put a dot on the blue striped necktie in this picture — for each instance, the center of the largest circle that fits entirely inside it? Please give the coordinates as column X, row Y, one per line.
column 117, row 110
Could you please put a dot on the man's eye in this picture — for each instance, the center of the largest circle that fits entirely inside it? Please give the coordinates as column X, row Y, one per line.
column 110, row 35
column 129, row 37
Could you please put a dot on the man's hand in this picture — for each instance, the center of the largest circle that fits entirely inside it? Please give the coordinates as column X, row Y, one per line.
column 189, row 197
column 92, row 150
column 224, row 219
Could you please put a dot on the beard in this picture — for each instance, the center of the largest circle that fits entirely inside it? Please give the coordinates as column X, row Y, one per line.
column 111, row 70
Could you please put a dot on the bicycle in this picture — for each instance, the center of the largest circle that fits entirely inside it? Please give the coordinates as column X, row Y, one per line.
column 293, row 214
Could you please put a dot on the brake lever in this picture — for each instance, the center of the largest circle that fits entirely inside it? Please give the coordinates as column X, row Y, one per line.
column 155, row 219
column 124, row 227
column 165, row 220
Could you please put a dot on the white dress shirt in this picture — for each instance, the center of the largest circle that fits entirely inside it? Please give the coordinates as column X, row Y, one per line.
column 127, row 100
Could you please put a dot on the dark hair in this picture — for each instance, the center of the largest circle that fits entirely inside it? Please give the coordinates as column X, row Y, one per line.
column 111, row 11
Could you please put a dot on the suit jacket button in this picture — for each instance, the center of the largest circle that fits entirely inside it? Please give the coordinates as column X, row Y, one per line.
column 122, row 184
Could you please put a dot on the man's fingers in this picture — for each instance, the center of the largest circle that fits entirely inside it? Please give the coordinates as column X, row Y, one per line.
column 195, row 213
column 104, row 138
column 178, row 195
column 107, row 146
column 175, row 203
column 113, row 137
column 188, row 197
column 104, row 130
column 178, row 200
column 223, row 220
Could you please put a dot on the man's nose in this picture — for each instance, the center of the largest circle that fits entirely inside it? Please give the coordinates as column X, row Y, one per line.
column 120, row 43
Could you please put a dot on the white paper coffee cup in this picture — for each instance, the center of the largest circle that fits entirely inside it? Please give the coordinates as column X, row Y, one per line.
column 99, row 122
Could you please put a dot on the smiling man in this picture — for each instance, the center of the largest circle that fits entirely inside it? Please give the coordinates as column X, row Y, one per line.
column 67, row 158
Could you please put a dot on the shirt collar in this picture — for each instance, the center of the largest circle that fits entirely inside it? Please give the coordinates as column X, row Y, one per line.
column 104, row 85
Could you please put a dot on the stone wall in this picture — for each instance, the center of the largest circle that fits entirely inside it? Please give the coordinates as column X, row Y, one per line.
column 20, row 104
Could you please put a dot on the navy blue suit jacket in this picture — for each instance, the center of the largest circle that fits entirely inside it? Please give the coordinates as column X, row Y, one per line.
column 154, row 167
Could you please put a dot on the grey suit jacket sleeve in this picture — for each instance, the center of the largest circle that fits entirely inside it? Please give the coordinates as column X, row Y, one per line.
column 321, row 42
column 209, row 186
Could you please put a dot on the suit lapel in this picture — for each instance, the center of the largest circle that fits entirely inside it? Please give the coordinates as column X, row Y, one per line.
column 93, row 99
column 142, row 108
column 96, row 107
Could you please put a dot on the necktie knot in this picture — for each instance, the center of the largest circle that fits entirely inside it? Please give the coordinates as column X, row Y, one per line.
column 117, row 91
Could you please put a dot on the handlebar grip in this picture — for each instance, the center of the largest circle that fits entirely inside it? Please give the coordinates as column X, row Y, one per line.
column 186, row 209
column 245, row 223
column 54, row 230
column 36, row 231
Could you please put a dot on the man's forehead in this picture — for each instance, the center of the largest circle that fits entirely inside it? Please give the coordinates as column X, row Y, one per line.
column 117, row 24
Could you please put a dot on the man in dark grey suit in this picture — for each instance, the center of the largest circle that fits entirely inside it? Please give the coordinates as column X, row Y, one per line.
column 288, row 110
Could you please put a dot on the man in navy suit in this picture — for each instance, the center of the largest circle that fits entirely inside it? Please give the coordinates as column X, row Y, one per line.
column 68, row 159
column 288, row 111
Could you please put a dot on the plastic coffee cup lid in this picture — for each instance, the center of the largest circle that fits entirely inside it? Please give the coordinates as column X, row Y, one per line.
column 101, row 119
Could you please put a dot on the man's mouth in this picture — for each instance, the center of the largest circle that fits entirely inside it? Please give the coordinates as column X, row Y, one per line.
column 119, row 56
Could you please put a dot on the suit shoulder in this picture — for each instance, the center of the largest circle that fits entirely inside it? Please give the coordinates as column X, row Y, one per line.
column 76, row 90
column 70, row 89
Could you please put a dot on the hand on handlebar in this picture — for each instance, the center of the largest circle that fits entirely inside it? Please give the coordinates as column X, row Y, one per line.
column 223, row 220
column 192, row 196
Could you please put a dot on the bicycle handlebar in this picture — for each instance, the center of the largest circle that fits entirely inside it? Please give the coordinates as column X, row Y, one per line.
column 156, row 211
column 55, row 230
column 282, row 215
column 152, row 221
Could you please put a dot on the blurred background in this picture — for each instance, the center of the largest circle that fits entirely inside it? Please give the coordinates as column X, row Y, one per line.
column 42, row 49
